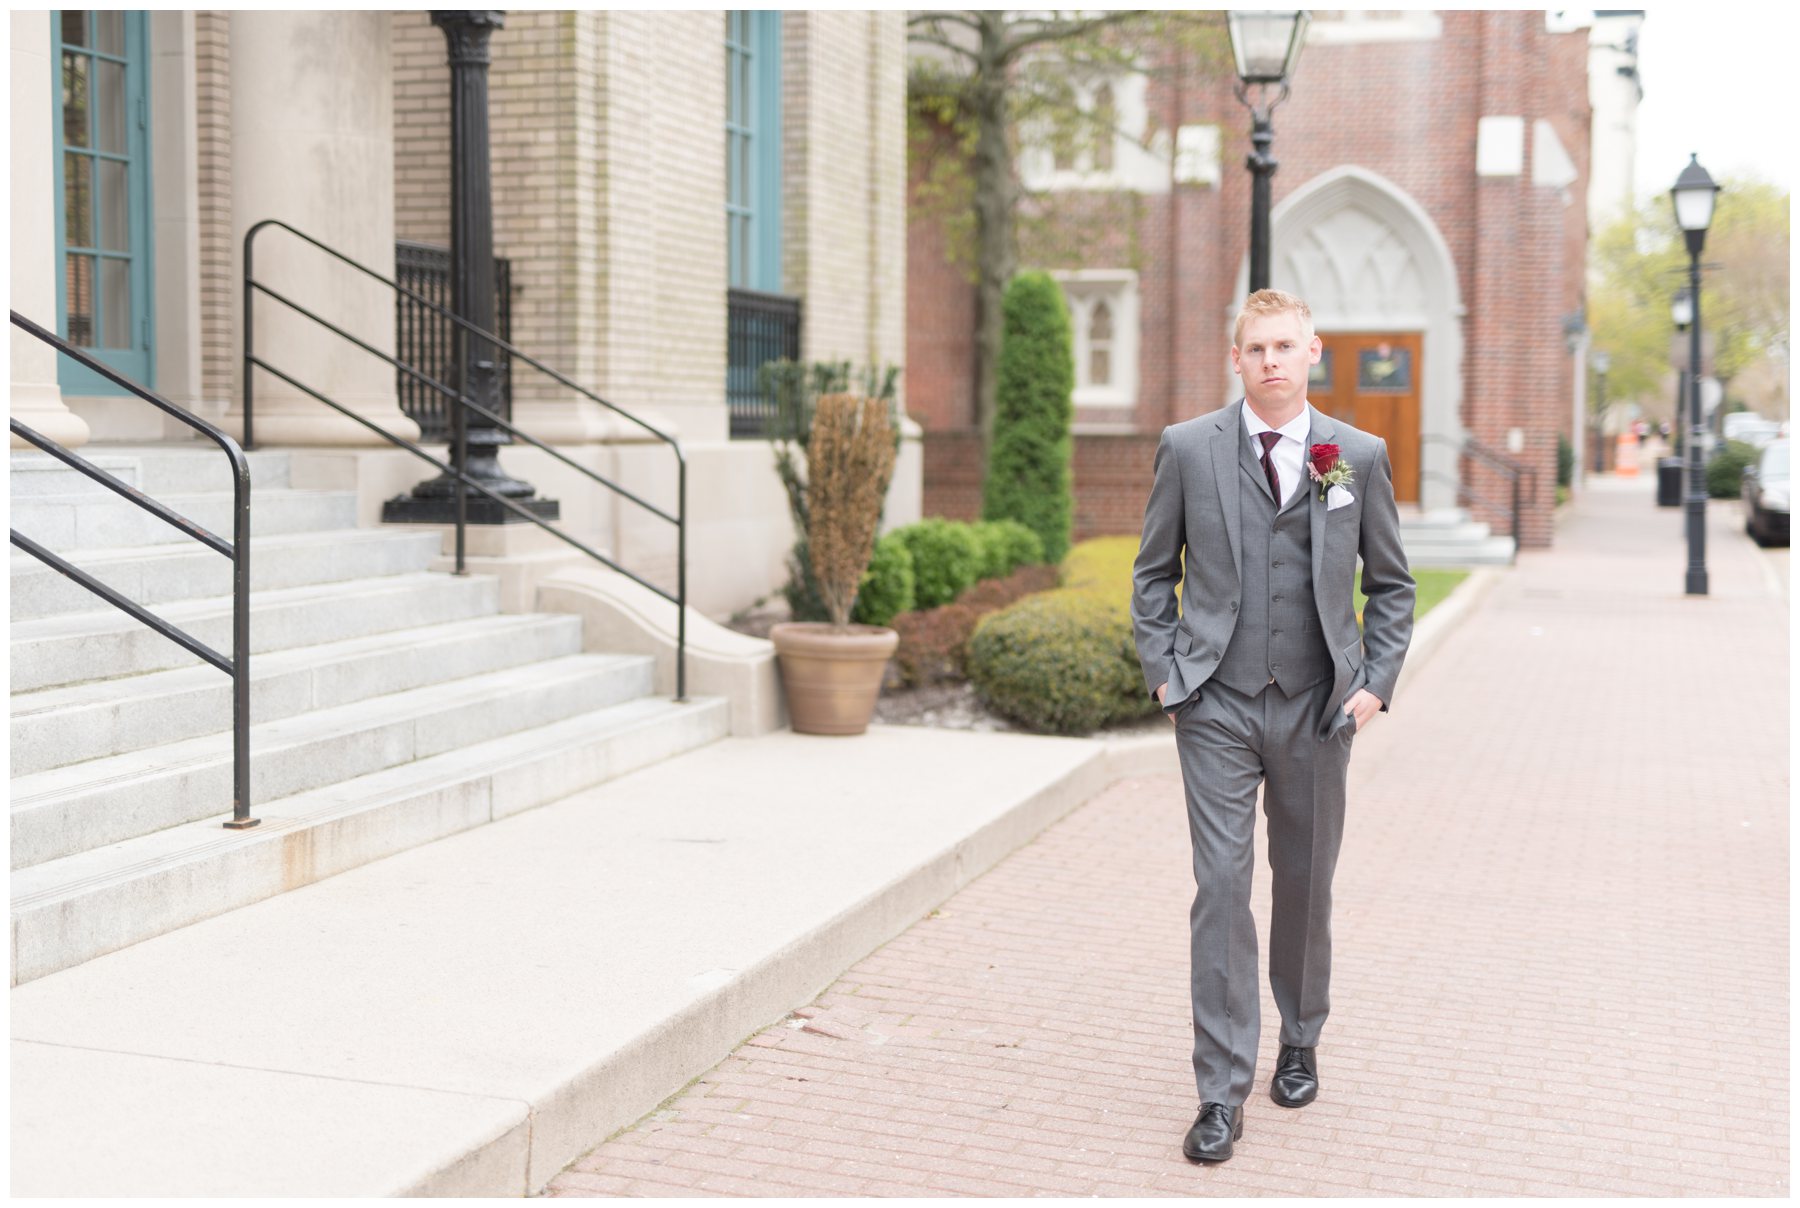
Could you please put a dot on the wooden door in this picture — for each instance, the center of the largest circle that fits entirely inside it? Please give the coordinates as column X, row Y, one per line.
column 1372, row 380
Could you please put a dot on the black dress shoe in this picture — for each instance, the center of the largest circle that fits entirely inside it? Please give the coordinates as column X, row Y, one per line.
column 1215, row 1128
column 1296, row 1080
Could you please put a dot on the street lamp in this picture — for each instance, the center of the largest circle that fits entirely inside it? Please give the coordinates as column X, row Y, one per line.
column 1601, row 363
column 1693, row 197
column 1266, row 46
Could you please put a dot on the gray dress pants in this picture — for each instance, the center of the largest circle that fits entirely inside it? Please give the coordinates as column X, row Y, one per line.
column 1228, row 744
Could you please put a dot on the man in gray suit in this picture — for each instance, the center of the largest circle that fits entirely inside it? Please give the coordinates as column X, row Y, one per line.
column 1260, row 512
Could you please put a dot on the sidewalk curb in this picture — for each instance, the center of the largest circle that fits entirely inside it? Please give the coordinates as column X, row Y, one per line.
column 623, row 1087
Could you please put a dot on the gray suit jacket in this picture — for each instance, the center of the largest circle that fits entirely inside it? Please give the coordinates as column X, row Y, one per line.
column 1192, row 536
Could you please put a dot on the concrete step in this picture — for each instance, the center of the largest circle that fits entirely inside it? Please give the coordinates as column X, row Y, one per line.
column 158, row 469
column 94, row 645
column 65, row 810
column 70, row 910
column 201, row 466
column 1436, row 519
column 60, row 726
column 159, row 574
column 102, row 520
column 1471, row 532
column 33, row 474
column 1493, row 551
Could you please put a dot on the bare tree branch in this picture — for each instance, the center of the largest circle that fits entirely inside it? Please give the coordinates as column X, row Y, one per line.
column 932, row 17
column 1063, row 31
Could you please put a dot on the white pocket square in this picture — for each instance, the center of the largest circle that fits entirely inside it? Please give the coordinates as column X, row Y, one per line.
column 1338, row 497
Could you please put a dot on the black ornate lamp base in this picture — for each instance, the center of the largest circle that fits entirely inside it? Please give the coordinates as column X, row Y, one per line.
column 441, row 509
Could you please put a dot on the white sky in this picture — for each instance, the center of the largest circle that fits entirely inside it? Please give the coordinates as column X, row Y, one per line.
column 1721, row 79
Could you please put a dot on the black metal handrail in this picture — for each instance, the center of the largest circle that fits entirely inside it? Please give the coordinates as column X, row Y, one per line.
column 237, row 549
column 459, row 438
column 1514, row 469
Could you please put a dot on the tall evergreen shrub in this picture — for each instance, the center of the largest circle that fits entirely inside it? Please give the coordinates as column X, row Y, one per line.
column 1029, row 458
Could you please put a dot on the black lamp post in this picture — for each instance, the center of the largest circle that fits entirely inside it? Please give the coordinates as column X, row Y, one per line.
column 1693, row 196
column 1266, row 46
column 477, row 375
column 1602, row 363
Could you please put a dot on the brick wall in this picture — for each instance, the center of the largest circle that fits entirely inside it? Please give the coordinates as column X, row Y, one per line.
column 1406, row 110
column 1112, row 480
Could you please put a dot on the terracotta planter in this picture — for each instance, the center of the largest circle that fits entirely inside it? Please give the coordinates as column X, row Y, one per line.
column 832, row 676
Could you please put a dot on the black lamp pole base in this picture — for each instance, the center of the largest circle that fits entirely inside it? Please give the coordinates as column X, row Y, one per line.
column 434, row 509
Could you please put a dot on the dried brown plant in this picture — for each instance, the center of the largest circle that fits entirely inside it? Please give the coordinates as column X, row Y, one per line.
column 849, row 460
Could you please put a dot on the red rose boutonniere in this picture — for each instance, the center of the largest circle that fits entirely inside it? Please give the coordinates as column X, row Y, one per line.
column 1327, row 467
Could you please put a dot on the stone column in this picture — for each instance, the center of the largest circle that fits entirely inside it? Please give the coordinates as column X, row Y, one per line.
column 36, row 398
column 312, row 139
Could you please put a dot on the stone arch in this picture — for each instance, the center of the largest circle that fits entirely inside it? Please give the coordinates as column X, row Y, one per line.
column 1367, row 257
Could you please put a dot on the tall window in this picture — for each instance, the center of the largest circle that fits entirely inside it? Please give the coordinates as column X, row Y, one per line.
column 753, row 149
column 103, row 211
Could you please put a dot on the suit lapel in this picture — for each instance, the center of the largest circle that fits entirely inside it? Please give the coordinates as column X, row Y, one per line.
column 1225, row 437
column 1322, row 432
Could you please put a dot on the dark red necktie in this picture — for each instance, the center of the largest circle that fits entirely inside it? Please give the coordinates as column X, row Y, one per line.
column 1268, row 463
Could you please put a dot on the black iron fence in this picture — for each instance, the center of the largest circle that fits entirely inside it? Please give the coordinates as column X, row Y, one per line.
column 423, row 337
column 762, row 328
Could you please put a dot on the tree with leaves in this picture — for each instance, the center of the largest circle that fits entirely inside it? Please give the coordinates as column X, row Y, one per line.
column 1637, row 264
column 978, row 77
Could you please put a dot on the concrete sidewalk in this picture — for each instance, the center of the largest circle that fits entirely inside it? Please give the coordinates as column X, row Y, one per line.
column 1561, row 944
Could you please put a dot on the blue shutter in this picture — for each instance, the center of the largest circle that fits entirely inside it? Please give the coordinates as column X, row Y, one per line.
column 101, row 110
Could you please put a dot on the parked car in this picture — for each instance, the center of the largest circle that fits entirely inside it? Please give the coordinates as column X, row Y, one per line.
column 1750, row 428
column 1766, row 495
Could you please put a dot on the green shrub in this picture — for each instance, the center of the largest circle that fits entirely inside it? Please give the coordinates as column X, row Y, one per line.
column 1006, row 546
column 1725, row 469
column 1565, row 461
column 887, row 588
column 1061, row 662
column 946, row 560
column 1030, row 454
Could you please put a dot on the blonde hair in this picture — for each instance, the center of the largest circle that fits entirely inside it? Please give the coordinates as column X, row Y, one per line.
column 1270, row 302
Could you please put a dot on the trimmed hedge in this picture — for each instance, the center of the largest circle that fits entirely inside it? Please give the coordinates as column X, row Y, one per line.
column 887, row 586
column 1725, row 469
column 1030, row 456
column 1065, row 661
column 1006, row 545
column 946, row 560
column 1060, row 662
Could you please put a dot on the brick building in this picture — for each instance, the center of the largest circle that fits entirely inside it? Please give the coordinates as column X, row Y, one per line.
column 1429, row 204
column 654, row 174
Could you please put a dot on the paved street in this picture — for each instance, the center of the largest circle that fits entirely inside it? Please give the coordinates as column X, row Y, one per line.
column 1561, row 944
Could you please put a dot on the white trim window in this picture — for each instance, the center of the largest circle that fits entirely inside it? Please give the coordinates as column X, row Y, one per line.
column 1103, row 311
column 1119, row 161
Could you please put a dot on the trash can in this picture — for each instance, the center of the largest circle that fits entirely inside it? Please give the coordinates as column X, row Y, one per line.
column 1668, row 481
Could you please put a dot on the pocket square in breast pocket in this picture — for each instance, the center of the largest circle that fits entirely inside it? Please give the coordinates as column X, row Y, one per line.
column 1338, row 497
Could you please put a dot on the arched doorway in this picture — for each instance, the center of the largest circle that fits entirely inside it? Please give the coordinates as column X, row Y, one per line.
column 1383, row 291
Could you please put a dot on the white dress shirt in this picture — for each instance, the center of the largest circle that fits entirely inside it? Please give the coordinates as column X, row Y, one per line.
column 1289, row 454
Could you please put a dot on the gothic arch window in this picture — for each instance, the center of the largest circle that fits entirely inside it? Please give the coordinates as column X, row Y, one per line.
column 1103, row 314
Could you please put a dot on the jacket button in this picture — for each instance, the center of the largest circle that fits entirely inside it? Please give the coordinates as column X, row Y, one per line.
column 1234, row 608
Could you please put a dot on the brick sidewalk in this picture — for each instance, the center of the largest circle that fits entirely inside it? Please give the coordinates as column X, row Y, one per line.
column 1561, row 946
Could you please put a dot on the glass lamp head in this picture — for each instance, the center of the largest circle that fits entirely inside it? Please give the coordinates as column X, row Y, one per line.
column 1266, row 44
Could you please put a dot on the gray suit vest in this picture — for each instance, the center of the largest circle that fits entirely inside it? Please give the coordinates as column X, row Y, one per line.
column 1278, row 638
